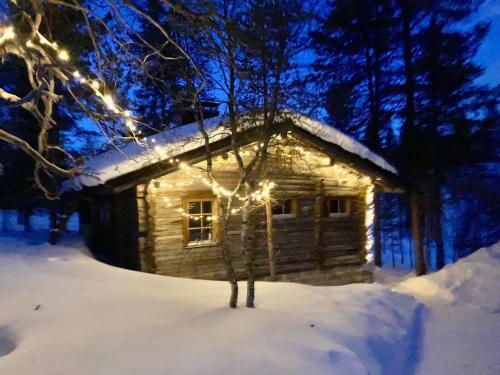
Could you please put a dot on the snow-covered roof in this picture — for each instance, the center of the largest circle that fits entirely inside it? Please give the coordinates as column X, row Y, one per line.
column 175, row 142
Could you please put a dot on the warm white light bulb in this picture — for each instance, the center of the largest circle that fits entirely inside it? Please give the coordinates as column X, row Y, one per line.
column 63, row 55
column 8, row 33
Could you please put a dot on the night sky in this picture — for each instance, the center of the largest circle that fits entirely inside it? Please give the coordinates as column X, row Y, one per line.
column 489, row 53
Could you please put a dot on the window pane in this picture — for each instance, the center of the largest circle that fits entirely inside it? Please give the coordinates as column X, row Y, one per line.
column 194, row 235
column 194, row 221
column 342, row 206
column 334, row 206
column 207, row 234
column 278, row 207
column 207, row 207
column 194, row 207
column 206, row 221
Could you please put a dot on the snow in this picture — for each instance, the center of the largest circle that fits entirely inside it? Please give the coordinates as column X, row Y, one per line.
column 65, row 313
column 174, row 142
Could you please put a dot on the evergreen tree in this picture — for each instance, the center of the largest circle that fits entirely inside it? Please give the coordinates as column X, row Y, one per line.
column 354, row 68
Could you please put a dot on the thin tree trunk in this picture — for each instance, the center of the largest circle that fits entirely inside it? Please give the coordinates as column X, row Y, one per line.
column 409, row 86
column 428, row 212
column 228, row 266
column 420, row 267
column 318, row 225
column 27, row 220
column 438, row 228
column 270, row 246
column 247, row 251
column 377, row 245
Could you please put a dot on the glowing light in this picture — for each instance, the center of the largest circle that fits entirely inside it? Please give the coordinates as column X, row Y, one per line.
column 63, row 55
column 108, row 100
column 8, row 34
column 95, row 85
column 369, row 218
column 129, row 124
column 77, row 74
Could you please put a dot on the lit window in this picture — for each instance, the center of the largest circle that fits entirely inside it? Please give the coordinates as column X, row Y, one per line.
column 338, row 207
column 199, row 221
column 283, row 208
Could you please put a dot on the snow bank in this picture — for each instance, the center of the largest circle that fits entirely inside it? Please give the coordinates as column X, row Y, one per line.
column 462, row 325
column 174, row 142
column 466, row 282
column 65, row 313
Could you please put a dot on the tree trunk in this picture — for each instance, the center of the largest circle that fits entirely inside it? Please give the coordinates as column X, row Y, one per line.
column 53, row 235
column 409, row 86
column 377, row 241
column 420, row 267
column 428, row 213
column 247, row 252
column 318, row 224
column 27, row 220
column 228, row 266
column 270, row 246
column 438, row 228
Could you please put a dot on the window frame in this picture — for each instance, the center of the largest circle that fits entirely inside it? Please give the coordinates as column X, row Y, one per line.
column 347, row 201
column 293, row 209
column 202, row 197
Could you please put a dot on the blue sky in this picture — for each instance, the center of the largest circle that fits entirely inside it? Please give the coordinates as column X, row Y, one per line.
column 489, row 53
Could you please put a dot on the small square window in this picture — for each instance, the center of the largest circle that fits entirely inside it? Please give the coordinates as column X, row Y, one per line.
column 338, row 207
column 283, row 208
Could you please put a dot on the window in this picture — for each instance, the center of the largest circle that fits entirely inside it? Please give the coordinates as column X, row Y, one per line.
column 338, row 207
column 283, row 208
column 199, row 220
column 104, row 212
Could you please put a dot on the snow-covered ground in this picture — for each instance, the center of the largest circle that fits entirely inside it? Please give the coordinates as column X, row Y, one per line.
column 61, row 312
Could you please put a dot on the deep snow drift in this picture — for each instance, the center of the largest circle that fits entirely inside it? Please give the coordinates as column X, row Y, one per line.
column 65, row 313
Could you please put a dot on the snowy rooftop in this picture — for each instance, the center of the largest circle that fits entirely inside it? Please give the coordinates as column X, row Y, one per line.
column 174, row 142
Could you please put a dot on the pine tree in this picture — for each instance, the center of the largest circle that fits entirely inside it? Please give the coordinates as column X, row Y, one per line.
column 354, row 48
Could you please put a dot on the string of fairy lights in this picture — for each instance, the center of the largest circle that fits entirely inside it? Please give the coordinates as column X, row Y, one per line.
column 97, row 87
column 257, row 197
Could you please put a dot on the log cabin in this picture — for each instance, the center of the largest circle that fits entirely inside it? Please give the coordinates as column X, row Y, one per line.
column 150, row 208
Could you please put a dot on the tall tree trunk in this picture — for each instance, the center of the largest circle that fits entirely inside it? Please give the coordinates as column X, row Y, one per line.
column 437, row 227
column 409, row 86
column 228, row 265
column 270, row 245
column 377, row 241
column 27, row 219
column 428, row 213
column 420, row 267
column 372, row 131
column 247, row 252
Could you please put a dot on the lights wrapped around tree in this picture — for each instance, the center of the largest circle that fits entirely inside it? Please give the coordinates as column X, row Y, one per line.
column 62, row 68
column 369, row 219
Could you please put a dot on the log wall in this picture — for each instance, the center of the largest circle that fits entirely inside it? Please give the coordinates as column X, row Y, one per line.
column 308, row 241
